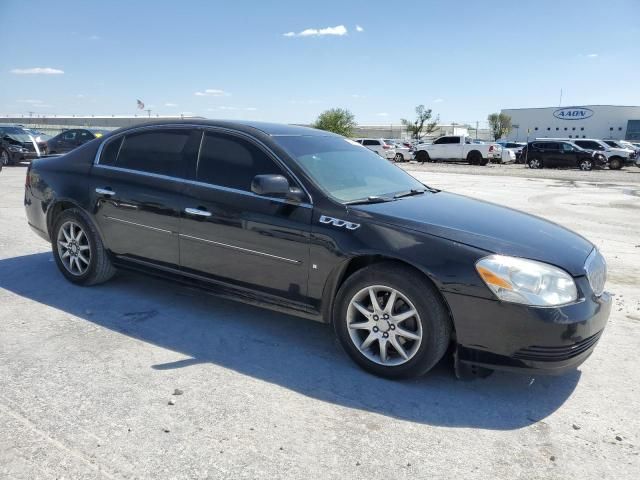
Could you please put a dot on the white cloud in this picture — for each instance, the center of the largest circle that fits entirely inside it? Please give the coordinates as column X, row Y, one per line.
column 592, row 55
column 169, row 104
column 338, row 30
column 81, row 95
column 94, row 37
column 438, row 100
column 382, row 114
column 222, row 107
column 251, row 109
column 357, row 95
column 31, row 101
column 37, row 71
column 212, row 92
column 359, row 28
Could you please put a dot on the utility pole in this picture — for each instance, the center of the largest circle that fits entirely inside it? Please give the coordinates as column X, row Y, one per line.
column 477, row 129
column 148, row 112
column 560, row 103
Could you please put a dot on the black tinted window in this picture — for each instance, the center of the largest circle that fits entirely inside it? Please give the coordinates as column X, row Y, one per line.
column 232, row 162
column 371, row 142
column 110, row 152
column 440, row 141
column 160, row 151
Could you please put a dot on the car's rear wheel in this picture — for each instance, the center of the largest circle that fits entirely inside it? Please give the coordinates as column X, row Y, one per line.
column 78, row 249
column 474, row 158
column 398, row 157
column 391, row 321
column 422, row 156
column 615, row 163
column 586, row 164
column 535, row 163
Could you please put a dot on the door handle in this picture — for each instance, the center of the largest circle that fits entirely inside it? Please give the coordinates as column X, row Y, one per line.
column 197, row 212
column 105, row 191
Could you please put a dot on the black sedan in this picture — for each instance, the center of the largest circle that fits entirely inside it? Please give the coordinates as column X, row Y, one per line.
column 73, row 138
column 17, row 144
column 313, row 224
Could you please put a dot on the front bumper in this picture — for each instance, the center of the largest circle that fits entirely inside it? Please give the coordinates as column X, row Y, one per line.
column 504, row 336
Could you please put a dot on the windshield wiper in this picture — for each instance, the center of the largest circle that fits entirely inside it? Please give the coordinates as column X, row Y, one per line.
column 409, row 193
column 370, row 199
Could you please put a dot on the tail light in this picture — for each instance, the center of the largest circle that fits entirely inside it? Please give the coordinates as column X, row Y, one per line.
column 386, row 147
column 491, row 148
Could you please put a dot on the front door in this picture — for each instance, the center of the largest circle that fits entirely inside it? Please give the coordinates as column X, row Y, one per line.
column 568, row 156
column 231, row 235
column 137, row 192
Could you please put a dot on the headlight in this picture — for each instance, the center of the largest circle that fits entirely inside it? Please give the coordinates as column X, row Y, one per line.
column 15, row 148
column 518, row 280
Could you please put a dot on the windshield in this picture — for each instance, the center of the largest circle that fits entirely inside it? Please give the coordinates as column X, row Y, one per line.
column 12, row 131
column 346, row 170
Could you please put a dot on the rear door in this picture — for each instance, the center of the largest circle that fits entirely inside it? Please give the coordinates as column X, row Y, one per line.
column 231, row 235
column 137, row 190
column 373, row 145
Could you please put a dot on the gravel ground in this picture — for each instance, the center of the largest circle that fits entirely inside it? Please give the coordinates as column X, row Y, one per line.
column 88, row 376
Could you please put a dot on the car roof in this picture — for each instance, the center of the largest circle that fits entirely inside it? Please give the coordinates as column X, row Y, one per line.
column 271, row 129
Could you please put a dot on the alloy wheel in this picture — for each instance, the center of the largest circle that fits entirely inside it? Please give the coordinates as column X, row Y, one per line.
column 384, row 325
column 399, row 157
column 534, row 163
column 4, row 158
column 585, row 165
column 74, row 248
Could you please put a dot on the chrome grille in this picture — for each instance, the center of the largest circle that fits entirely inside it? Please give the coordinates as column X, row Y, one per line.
column 596, row 268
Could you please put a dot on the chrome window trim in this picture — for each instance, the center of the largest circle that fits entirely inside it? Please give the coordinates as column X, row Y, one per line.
column 241, row 249
column 204, row 128
column 203, row 184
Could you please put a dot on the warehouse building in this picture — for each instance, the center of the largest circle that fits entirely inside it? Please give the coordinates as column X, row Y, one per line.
column 587, row 121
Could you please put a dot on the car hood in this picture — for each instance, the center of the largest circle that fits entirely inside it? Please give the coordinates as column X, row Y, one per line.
column 20, row 138
column 484, row 225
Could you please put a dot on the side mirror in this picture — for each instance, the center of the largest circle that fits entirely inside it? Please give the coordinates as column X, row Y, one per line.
column 276, row 186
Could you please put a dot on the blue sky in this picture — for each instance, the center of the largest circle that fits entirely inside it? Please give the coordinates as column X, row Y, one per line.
column 232, row 59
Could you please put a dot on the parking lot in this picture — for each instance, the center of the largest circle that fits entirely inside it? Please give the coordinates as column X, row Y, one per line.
column 142, row 378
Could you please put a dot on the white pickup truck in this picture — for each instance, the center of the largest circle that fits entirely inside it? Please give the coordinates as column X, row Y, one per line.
column 457, row 148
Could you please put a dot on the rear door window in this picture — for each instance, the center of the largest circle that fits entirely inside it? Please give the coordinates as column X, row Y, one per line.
column 162, row 152
column 371, row 142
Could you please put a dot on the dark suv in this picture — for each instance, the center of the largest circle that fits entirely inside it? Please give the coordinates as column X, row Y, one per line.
column 554, row 153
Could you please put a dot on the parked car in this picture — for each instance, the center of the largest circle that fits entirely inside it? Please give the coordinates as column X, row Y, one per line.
column 516, row 147
column 39, row 136
column 17, row 145
column 73, row 138
column 456, row 148
column 378, row 145
column 557, row 153
column 616, row 157
column 404, row 153
column 508, row 155
column 307, row 222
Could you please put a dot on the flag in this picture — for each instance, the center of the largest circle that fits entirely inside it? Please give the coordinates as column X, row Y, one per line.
column 140, row 105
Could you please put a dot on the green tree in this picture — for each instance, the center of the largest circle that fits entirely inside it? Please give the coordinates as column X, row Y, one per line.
column 422, row 125
column 336, row 120
column 500, row 124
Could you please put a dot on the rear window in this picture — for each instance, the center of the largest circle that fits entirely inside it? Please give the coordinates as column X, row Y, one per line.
column 371, row 142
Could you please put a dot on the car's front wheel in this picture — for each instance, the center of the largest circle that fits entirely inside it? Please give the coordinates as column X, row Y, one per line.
column 586, row 164
column 398, row 157
column 615, row 163
column 535, row 163
column 78, row 249
column 5, row 159
column 391, row 321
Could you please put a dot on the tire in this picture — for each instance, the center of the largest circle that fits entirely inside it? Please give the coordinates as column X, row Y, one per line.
column 615, row 163
column 586, row 165
column 422, row 156
column 484, row 161
column 5, row 158
column 398, row 157
column 89, row 268
column 431, row 324
column 474, row 158
column 535, row 163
